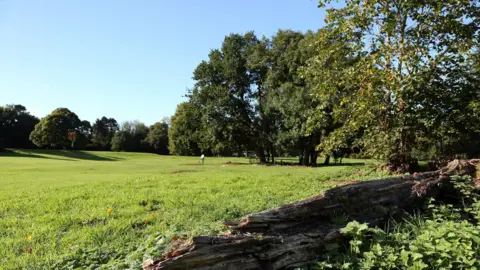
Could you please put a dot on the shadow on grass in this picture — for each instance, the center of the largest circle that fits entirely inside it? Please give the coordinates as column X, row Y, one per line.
column 58, row 155
column 318, row 165
column 80, row 155
column 342, row 164
column 26, row 154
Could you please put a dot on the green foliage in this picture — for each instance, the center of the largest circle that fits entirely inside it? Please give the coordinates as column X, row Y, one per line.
column 430, row 244
column 413, row 73
column 103, row 131
column 130, row 136
column 289, row 102
column 127, row 257
column 52, row 130
column 226, row 89
column 16, row 124
column 184, row 134
column 123, row 141
column 157, row 138
column 384, row 79
column 389, row 80
column 84, row 135
column 61, row 199
column 446, row 237
column 249, row 96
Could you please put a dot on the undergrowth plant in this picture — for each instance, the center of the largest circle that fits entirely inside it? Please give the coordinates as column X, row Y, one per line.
column 446, row 236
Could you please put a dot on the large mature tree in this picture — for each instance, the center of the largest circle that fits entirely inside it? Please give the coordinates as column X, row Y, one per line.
column 139, row 134
column 130, row 136
column 226, row 90
column 184, row 136
column 122, row 141
column 52, row 131
column 391, row 79
column 450, row 116
column 405, row 48
column 103, row 131
column 249, row 96
column 327, row 74
column 16, row 124
column 289, row 100
column 157, row 138
column 83, row 135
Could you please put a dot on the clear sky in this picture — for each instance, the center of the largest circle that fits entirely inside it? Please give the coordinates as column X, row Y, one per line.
column 125, row 59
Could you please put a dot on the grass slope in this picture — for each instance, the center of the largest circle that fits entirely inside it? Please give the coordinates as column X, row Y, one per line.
column 52, row 202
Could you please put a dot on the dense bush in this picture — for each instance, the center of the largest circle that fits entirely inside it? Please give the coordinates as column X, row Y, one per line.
column 444, row 237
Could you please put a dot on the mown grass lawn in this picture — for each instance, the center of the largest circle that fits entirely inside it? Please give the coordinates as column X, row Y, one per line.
column 54, row 202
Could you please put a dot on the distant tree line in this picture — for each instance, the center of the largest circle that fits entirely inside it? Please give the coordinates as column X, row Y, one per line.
column 395, row 80
column 63, row 129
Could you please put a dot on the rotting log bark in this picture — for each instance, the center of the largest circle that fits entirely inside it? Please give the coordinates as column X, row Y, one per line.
column 296, row 233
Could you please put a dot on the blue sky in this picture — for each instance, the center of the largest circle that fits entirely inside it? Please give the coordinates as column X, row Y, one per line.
column 123, row 58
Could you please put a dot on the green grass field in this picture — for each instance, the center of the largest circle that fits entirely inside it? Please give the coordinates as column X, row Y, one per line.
column 57, row 206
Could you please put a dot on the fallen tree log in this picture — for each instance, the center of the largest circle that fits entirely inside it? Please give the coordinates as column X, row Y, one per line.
column 296, row 233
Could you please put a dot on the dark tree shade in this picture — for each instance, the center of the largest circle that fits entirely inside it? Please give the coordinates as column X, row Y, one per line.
column 103, row 131
column 122, row 141
column 16, row 124
column 157, row 138
column 130, row 136
column 184, row 134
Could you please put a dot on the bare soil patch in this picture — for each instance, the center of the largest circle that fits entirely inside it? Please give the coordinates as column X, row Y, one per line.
column 183, row 171
column 234, row 163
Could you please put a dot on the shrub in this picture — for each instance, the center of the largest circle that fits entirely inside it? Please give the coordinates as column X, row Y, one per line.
column 446, row 237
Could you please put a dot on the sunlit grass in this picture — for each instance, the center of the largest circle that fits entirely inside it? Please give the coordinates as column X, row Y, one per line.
column 52, row 202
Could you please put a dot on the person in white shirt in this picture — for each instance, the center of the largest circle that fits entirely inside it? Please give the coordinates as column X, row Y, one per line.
column 202, row 157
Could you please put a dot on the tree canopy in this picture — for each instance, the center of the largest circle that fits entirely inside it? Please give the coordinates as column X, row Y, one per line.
column 103, row 131
column 16, row 124
column 130, row 136
column 185, row 131
column 52, row 131
column 157, row 138
column 414, row 62
column 384, row 79
column 395, row 80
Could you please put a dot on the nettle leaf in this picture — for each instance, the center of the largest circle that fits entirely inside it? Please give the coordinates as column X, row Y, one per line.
column 404, row 256
column 416, row 256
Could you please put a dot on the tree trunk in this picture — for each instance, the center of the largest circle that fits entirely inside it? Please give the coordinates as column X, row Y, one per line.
column 297, row 233
column 327, row 160
column 306, row 156
column 313, row 159
column 261, row 155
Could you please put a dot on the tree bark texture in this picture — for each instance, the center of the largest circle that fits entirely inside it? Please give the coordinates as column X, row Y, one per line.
column 296, row 233
column 259, row 151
